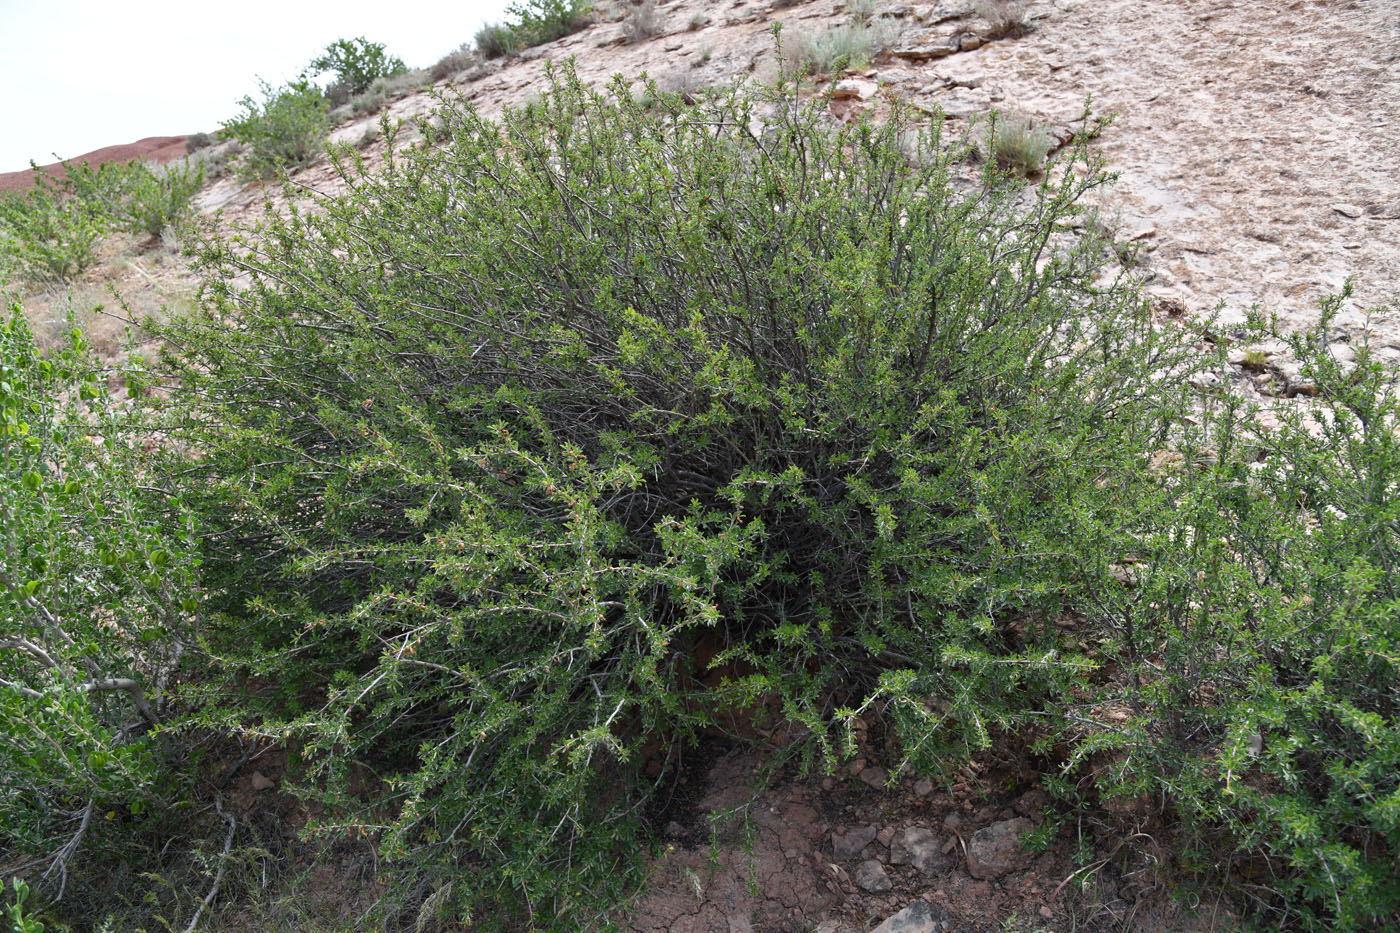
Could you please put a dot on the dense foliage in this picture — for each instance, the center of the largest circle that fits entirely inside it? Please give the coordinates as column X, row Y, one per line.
column 285, row 130
column 501, row 435
column 95, row 611
column 357, row 63
column 565, row 439
column 532, row 22
column 51, row 233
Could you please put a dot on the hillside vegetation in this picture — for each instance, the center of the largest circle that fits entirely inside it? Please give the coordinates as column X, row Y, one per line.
column 567, row 439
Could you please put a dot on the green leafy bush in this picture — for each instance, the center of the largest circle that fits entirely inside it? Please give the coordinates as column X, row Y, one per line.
column 1257, row 645
column 535, row 22
column 286, row 130
column 96, row 611
column 357, row 63
column 495, row 40
column 494, row 440
column 137, row 197
column 46, row 234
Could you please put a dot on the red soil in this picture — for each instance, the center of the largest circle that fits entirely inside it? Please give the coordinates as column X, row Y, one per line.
column 152, row 149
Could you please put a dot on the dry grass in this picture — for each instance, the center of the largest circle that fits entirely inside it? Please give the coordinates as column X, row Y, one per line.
column 1003, row 17
column 852, row 45
column 642, row 22
column 454, row 62
column 1016, row 143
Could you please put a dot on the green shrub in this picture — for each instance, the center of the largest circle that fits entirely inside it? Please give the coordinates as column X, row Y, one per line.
column 495, row 40
column 286, row 130
column 137, row 197
column 46, row 233
column 1258, row 644
column 535, row 22
column 492, row 441
column 198, row 141
column 96, row 610
column 357, row 63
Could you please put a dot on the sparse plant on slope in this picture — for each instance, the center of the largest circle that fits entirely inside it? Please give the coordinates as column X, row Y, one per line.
column 849, row 45
column 495, row 40
column 861, row 11
column 534, row 22
column 1003, row 17
column 357, row 63
column 286, row 130
column 459, row 59
column 1015, row 142
column 642, row 22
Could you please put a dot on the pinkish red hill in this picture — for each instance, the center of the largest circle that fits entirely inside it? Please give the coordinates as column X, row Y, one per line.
column 152, row 149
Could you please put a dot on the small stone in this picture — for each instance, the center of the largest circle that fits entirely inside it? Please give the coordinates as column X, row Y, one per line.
column 828, row 783
column 857, row 766
column 875, row 776
column 739, row 923
column 852, row 843
column 924, row 53
column 1046, row 912
column 918, row 917
column 1032, row 802
column 261, row 781
column 870, row 876
column 970, row 42
column 855, row 89
column 919, row 847
column 790, row 853
column 884, row 836
column 674, row 829
column 923, row 787
column 894, row 76
column 996, row 850
column 1348, row 210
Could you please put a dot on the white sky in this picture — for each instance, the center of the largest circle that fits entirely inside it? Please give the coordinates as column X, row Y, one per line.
column 78, row 75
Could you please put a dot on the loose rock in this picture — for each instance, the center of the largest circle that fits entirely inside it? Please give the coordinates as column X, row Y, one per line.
column 855, row 89
column 996, row 850
column 875, row 776
column 919, row 847
column 850, row 844
column 870, row 876
column 918, row 917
